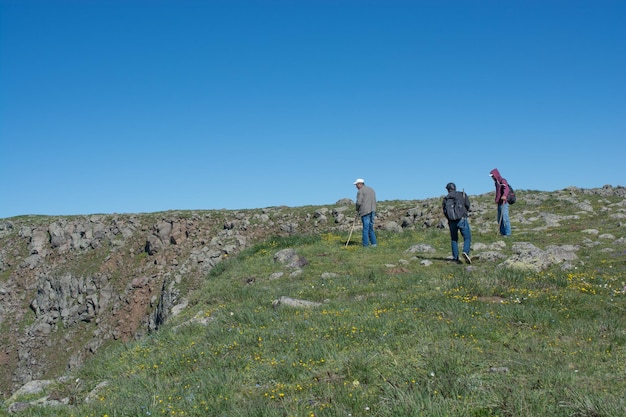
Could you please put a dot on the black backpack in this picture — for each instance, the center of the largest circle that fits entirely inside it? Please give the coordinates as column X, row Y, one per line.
column 454, row 206
column 511, row 198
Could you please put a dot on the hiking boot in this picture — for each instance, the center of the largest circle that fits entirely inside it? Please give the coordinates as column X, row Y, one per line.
column 467, row 258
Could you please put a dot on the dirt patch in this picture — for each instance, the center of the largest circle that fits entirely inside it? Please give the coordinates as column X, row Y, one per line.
column 398, row 271
column 136, row 310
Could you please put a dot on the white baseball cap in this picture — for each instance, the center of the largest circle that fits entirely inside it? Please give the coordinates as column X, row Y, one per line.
column 359, row 181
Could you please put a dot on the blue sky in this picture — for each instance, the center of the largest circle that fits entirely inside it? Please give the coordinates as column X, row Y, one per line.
column 131, row 106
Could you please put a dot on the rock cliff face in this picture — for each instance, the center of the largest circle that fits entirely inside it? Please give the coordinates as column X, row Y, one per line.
column 70, row 284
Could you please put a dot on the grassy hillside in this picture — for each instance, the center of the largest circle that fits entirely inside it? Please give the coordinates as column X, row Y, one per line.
column 391, row 335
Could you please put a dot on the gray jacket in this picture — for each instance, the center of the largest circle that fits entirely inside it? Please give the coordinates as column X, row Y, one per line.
column 365, row 201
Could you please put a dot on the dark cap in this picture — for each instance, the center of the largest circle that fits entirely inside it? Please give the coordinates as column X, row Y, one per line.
column 451, row 186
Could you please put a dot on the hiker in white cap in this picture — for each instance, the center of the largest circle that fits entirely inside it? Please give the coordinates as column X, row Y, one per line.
column 366, row 209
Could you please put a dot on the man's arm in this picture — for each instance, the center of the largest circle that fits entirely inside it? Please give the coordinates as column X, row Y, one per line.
column 505, row 190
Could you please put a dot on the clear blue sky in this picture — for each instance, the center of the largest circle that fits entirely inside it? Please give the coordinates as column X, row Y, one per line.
column 111, row 106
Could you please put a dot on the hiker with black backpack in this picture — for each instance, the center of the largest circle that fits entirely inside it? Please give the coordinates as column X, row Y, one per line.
column 503, row 192
column 456, row 207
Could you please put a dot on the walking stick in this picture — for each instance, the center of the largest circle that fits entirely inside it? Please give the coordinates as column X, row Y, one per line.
column 352, row 228
column 499, row 221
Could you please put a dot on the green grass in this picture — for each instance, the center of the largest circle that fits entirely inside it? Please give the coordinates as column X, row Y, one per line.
column 391, row 337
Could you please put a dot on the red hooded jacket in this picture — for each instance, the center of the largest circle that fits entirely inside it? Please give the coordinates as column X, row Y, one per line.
column 502, row 187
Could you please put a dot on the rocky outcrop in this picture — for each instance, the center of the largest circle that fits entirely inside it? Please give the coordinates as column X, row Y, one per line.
column 70, row 284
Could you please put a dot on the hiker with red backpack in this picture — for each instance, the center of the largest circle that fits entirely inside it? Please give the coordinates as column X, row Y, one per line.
column 502, row 200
